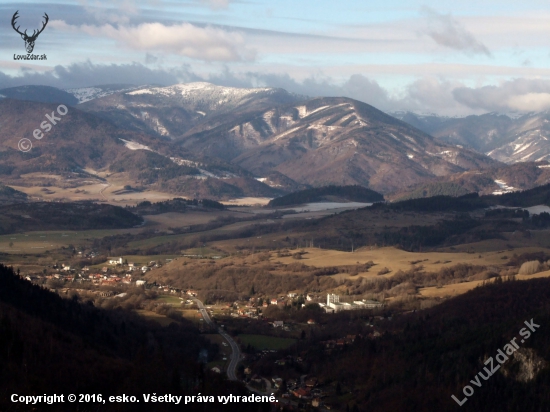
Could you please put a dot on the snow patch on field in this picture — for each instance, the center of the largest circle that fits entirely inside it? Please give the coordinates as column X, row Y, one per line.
column 136, row 146
column 302, row 111
column 518, row 148
column 317, row 110
column 504, row 188
column 286, row 133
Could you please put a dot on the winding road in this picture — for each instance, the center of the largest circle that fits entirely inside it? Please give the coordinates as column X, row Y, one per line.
column 236, row 352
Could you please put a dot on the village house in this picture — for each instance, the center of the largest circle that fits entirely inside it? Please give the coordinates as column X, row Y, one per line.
column 311, row 382
column 302, row 393
column 115, row 261
column 277, row 382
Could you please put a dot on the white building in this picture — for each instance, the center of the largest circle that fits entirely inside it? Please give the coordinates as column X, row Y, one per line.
column 115, row 261
column 332, row 298
column 333, row 303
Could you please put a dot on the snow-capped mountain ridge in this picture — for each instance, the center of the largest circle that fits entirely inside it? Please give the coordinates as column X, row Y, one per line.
column 205, row 97
column 509, row 138
column 86, row 94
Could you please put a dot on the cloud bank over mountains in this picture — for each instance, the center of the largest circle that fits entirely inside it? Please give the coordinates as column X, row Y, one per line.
column 422, row 56
column 427, row 94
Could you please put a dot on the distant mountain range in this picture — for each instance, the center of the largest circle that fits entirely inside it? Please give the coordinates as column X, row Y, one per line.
column 203, row 140
column 313, row 142
column 496, row 180
column 506, row 138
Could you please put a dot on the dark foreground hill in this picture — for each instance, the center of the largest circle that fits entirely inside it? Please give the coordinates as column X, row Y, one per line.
column 51, row 345
column 327, row 193
column 9, row 195
column 23, row 217
column 420, row 360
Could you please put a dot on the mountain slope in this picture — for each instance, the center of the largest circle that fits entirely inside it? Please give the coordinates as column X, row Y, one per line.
column 335, row 141
column 80, row 145
column 507, row 139
column 217, row 139
column 85, row 94
column 44, row 94
column 495, row 180
column 172, row 111
column 54, row 345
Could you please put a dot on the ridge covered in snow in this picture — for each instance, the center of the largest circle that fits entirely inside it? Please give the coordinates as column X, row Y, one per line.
column 202, row 95
column 85, row 94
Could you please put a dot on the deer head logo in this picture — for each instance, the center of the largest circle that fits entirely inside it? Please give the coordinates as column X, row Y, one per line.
column 29, row 40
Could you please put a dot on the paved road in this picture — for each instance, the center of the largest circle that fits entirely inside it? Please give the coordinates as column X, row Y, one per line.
column 236, row 352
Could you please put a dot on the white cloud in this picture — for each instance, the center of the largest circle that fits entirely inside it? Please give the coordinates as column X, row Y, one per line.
column 215, row 4
column 433, row 94
column 202, row 43
column 111, row 11
column 519, row 94
column 448, row 32
column 535, row 102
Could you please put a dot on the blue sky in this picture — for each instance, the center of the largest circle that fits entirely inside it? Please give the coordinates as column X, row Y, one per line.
column 451, row 58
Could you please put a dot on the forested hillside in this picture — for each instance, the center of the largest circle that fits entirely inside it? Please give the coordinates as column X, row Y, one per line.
column 353, row 193
column 49, row 344
column 422, row 359
column 64, row 216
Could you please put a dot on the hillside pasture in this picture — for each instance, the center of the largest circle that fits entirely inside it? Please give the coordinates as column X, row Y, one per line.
column 396, row 259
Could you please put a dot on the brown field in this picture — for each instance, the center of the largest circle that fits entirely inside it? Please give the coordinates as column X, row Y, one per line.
column 91, row 189
column 161, row 319
column 396, row 259
column 460, row 288
column 538, row 239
